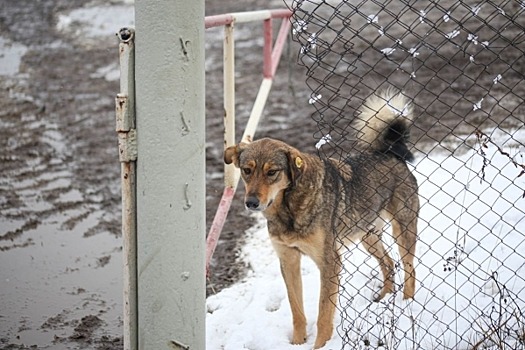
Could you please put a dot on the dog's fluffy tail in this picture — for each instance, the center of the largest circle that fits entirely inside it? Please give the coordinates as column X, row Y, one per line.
column 383, row 124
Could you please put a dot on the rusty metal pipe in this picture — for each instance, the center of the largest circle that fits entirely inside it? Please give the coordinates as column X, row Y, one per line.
column 125, row 127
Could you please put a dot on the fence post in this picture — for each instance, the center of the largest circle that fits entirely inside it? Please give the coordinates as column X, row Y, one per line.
column 126, row 131
column 170, row 173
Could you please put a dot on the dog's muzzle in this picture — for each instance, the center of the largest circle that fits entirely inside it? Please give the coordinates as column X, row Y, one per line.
column 253, row 203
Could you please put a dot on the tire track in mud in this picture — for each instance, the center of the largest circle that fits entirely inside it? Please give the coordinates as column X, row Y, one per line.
column 37, row 177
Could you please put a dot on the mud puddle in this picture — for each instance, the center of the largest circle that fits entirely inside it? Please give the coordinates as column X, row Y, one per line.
column 57, row 280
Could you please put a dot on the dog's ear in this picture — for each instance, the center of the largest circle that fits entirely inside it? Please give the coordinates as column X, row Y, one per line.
column 232, row 154
column 296, row 164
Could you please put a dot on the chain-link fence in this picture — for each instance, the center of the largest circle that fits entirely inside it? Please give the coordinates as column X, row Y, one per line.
column 461, row 66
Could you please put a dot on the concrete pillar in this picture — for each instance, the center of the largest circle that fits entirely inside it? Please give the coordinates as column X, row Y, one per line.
column 170, row 114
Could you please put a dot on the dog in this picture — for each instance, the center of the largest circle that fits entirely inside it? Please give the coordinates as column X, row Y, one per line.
column 316, row 206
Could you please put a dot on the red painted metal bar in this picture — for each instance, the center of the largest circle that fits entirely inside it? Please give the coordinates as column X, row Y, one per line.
column 279, row 44
column 267, row 50
column 282, row 13
column 218, row 224
column 217, row 21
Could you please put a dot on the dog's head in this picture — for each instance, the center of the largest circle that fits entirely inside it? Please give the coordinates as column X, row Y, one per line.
column 268, row 167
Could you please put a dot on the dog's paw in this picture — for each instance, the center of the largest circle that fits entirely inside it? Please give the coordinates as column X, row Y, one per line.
column 324, row 334
column 319, row 343
column 299, row 338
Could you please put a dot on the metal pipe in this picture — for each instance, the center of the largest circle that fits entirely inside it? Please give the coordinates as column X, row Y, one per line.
column 218, row 224
column 281, row 13
column 267, row 49
column 229, row 191
column 257, row 109
column 229, row 100
column 242, row 17
column 251, row 16
column 125, row 127
column 218, row 20
column 282, row 36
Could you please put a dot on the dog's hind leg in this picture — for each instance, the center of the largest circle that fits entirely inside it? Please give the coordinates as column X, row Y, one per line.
column 373, row 244
column 405, row 235
column 290, row 260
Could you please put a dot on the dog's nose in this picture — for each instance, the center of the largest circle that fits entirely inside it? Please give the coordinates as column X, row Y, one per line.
column 252, row 203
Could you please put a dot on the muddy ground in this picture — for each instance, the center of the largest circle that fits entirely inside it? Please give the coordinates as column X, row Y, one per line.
column 60, row 249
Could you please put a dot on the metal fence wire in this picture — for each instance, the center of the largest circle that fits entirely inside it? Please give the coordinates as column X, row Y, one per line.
column 460, row 65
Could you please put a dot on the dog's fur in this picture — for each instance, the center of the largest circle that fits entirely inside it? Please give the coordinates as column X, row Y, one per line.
column 313, row 206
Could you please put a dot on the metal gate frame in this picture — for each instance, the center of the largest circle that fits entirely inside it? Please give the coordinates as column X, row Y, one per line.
column 271, row 57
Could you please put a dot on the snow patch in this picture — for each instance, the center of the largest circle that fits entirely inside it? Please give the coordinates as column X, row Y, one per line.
column 470, row 245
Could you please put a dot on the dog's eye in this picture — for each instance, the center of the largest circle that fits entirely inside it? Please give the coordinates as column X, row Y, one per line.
column 247, row 171
column 271, row 172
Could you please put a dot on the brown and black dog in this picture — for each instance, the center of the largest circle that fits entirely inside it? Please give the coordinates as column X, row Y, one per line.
column 313, row 206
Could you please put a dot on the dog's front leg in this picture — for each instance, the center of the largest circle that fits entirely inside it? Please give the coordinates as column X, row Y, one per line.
column 290, row 259
column 329, row 269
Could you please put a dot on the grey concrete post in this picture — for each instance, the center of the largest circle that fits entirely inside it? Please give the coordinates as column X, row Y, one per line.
column 170, row 173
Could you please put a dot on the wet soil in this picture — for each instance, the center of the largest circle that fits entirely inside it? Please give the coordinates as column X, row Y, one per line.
column 60, row 247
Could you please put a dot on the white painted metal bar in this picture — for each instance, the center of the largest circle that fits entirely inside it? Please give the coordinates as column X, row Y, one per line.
column 257, row 110
column 229, row 100
column 125, row 127
column 251, row 16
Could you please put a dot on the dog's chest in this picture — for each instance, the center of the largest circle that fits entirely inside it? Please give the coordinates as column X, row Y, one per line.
column 311, row 244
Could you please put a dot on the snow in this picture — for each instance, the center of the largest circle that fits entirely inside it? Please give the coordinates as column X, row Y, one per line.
column 299, row 27
column 452, row 34
column 373, row 19
column 314, row 99
column 110, row 72
column 470, row 268
column 477, row 105
column 388, row 51
column 323, row 141
column 97, row 21
column 11, row 54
